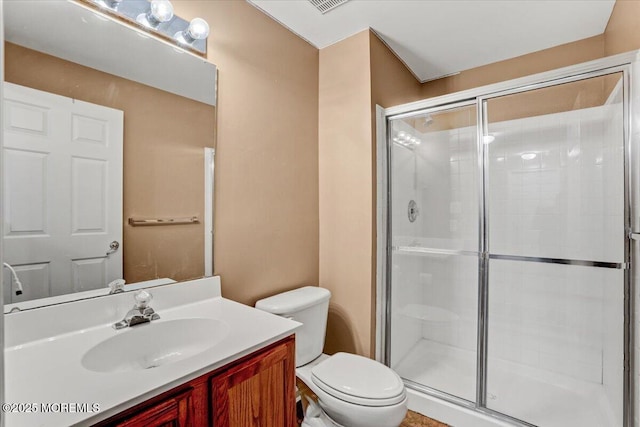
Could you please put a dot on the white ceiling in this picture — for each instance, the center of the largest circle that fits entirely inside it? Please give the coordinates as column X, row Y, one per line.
column 440, row 37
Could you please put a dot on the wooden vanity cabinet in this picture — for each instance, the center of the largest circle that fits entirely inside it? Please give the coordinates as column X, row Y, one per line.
column 256, row 391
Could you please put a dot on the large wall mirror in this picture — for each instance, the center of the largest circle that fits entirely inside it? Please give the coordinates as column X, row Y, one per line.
column 108, row 146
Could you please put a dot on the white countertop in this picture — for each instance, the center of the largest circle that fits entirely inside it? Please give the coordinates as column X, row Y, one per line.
column 47, row 369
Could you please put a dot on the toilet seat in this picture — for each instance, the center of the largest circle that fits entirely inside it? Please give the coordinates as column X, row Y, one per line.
column 358, row 380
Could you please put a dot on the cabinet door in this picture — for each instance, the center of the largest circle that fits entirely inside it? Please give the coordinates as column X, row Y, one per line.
column 259, row 392
column 175, row 411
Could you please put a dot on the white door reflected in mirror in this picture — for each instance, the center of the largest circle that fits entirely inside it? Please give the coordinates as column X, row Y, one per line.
column 57, row 236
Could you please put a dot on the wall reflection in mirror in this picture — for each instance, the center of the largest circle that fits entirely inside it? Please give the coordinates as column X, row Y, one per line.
column 101, row 125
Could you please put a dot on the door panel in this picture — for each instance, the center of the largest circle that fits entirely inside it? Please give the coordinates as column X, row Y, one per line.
column 434, row 263
column 556, row 176
column 24, row 117
column 88, row 195
column 88, row 274
column 37, row 275
column 556, row 240
column 26, row 208
column 89, row 130
column 555, row 341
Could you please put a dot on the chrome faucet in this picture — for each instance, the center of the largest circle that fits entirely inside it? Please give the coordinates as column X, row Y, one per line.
column 140, row 313
column 116, row 286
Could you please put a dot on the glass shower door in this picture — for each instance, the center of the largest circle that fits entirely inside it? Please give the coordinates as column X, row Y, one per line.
column 556, row 243
column 434, row 249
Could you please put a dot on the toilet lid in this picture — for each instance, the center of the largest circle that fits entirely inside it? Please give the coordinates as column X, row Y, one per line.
column 358, row 380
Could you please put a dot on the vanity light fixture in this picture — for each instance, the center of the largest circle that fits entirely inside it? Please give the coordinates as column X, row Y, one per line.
column 157, row 17
column 111, row 4
column 406, row 140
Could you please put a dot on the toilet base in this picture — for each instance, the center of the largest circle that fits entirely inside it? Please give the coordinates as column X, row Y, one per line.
column 322, row 420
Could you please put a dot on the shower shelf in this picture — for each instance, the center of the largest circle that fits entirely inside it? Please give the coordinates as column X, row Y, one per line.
column 429, row 252
column 428, row 313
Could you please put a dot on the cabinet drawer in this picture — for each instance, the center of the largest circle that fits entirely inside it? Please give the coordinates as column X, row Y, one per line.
column 174, row 411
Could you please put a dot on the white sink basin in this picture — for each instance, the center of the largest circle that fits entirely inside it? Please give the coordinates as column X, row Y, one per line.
column 154, row 344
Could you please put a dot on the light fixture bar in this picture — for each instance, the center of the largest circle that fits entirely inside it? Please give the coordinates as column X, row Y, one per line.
column 156, row 17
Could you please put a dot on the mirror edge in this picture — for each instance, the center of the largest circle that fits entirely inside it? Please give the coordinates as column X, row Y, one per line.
column 2, row 381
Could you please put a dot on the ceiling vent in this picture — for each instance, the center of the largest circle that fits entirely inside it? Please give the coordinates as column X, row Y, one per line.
column 325, row 6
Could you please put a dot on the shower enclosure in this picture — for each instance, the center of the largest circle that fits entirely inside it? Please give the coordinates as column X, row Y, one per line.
column 507, row 247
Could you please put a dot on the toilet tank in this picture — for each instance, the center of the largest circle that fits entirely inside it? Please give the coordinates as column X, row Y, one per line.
column 308, row 305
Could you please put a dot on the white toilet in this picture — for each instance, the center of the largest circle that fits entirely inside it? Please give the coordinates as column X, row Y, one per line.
column 353, row 391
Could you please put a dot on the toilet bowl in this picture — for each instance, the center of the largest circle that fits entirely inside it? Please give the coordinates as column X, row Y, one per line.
column 352, row 390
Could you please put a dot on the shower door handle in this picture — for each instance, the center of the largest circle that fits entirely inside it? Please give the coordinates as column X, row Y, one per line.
column 634, row 235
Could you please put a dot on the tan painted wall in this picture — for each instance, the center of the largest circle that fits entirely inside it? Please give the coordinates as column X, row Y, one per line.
column 623, row 33
column 266, row 200
column 164, row 137
column 355, row 75
column 345, row 177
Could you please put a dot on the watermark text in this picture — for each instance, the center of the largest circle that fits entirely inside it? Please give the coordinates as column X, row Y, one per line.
column 51, row 407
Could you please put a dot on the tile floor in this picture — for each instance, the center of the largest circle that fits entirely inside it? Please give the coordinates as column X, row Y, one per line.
column 416, row 420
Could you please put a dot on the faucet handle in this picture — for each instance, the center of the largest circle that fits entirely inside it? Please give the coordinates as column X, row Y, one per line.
column 116, row 286
column 143, row 298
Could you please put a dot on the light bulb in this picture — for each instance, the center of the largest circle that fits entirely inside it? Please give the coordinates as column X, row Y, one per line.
column 161, row 10
column 198, row 29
